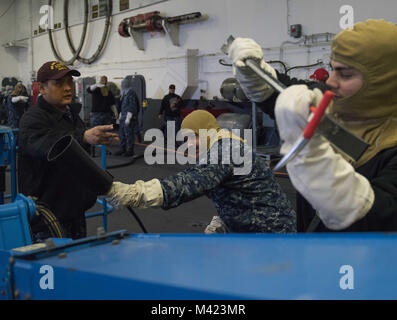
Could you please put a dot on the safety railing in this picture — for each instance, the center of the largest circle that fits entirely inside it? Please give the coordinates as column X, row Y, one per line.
column 106, row 207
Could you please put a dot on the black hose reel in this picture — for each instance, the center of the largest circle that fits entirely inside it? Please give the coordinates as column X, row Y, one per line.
column 76, row 52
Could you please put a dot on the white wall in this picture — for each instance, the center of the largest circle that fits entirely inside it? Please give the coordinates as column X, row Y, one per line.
column 161, row 63
column 8, row 57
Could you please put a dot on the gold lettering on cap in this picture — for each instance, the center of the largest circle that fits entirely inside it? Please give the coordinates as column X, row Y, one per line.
column 58, row 66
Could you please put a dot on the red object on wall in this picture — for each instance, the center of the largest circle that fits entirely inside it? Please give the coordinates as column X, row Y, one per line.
column 214, row 112
column 35, row 92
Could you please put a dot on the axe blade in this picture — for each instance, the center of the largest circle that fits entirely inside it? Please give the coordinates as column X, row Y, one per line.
column 341, row 138
column 225, row 47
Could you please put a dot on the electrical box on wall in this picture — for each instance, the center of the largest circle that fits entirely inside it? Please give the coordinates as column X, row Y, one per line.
column 295, row 30
column 98, row 8
column 124, row 5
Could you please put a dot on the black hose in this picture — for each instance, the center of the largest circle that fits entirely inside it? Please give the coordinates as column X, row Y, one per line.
column 308, row 66
column 105, row 35
column 223, row 63
column 280, row 62
column 137, row 219
column 66, row 23
column 76, row 53
column 125, row 164
column 50, row 221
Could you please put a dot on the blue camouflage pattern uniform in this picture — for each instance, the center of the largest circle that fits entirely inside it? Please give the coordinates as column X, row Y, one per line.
column 252, row 202
column 129, row 103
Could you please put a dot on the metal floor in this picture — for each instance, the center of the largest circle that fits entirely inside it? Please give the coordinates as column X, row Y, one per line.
column 191, row 217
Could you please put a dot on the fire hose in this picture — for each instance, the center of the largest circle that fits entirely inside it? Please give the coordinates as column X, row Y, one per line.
column 76, row 52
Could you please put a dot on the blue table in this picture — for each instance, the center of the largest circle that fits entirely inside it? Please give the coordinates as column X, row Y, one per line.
column 190, row 266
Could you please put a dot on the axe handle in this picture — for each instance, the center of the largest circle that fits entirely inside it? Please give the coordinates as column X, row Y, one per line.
column 274, row 83
column 318, row 114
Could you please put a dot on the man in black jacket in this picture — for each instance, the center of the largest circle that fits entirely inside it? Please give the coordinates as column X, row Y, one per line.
column 170, row 108
column 54, row 116
column 103, row 103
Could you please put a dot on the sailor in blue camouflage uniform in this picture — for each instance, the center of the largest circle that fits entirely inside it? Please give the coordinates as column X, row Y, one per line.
column 128, row 118
column 247, row 201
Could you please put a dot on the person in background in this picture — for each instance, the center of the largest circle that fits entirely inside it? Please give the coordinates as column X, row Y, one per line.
column 320, row 75
column 170, row 109
column 53, row 117
column 129, row 108
column 103, row 103
column 18, row 103
column 3, row 107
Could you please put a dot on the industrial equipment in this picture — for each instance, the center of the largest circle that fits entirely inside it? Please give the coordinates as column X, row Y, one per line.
column 9, row 81
column 84, row 97
column 232, row 91
column 7, row 158
column 154, row 22
column 118, row 265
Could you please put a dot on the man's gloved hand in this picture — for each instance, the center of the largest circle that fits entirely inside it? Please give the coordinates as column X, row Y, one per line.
column 128, row 118
column 340, row 195
column 292, row 111
column 19, row 98
column 115, row 112
column 138, row 195
column 96, row 85
column 255, row 88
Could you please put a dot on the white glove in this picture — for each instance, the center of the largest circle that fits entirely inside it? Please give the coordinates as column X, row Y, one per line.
column 340, row 195
column 216, row 226
column 19, row 98
column 128, row 118
column 114, row 110
column 138, row 195
column 96, row 85
column 292, row 111
column 253, row 86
